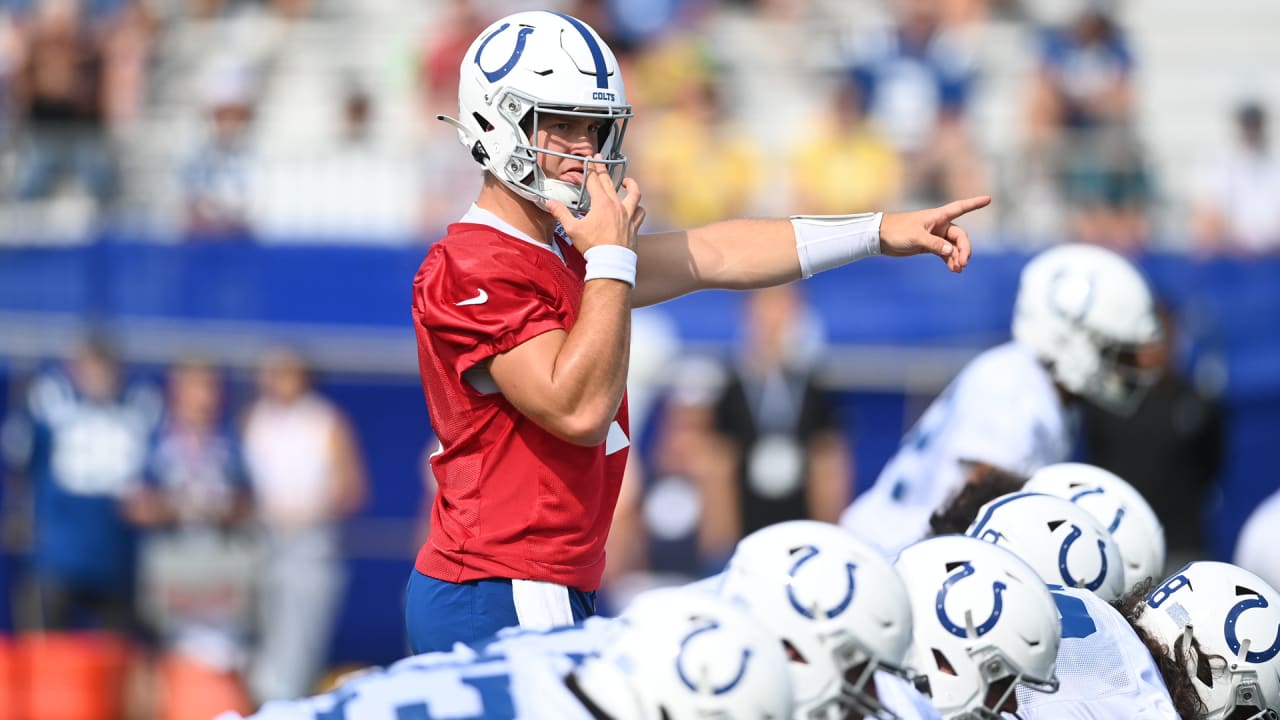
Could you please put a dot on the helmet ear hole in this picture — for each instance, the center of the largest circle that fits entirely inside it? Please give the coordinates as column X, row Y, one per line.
column 944, row 665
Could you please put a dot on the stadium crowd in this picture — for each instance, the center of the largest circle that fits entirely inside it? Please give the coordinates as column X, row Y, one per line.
column 230, row 120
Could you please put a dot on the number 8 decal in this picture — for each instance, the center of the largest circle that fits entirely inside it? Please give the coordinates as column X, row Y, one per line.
column 1170, row 586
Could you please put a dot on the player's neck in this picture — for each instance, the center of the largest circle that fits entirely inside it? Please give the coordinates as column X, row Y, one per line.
column 522, row 214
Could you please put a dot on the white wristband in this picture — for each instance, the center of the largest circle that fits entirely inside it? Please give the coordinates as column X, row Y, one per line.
column 827, row 241
column 612, row 262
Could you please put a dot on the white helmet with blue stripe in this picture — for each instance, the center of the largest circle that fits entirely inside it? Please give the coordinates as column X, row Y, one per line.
column 985, row 624
column 836, row 603
column 519, row 70
column 679, row 653
column 1221, row 625
column 1065, row 544
column 1085, row 312
column 1115, row 504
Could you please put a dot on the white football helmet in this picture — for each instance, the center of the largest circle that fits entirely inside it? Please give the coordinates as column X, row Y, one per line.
column 678, row 654
column 1060, row 541
column 1221, row 623
column 523, row 67
column 1084, row 311
column 838, row 605
column 1118, row 507
column 984, row 624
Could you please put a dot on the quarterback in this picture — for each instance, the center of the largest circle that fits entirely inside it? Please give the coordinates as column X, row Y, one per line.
column 522, row 315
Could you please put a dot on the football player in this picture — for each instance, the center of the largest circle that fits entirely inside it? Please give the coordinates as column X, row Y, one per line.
column 1105, row 667
column 834, row 603
column 985, row 625
column 522, row 313
column 1118, row 506
column 1218, row 626
column 1080, row 316
column 672, row 655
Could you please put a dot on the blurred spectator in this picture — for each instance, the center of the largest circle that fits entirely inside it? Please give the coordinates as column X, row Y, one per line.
column 1082, row 129
column 355, row 189
column 287, row 9
column 780, row 448
column 128, row 38
column 661, row 517
column 216, row 177
column 1170, row 449
column 197, row 563
column 459, row 23
column 915, row 84
column 86, row 451
column 307, row 475
column 842, row 163
column 10, row 58
column 1237, row 205
column 62, row 104
column 449, row 176
column 703, row 168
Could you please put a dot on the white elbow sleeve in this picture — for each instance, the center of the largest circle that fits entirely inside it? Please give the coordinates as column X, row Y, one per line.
column 827, row 241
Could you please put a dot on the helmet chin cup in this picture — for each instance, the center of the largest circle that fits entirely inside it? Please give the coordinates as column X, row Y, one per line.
column 574, row 197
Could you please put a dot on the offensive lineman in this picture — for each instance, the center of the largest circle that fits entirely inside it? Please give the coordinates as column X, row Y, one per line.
column 1080, row 315
column 671, row 655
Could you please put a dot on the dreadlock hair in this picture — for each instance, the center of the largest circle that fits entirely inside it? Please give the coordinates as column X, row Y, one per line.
column 986, row 483
column 1171, row 662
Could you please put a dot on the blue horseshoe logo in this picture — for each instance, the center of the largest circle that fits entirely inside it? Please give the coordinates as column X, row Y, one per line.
column 1070, row 581
column 808, row 553
column 510, row 65
column 997, row 588
column 684, row 677
column 1233, row 641
column 1115, row 523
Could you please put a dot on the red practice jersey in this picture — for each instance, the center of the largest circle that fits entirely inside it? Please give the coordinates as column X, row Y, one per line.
column 513, row 500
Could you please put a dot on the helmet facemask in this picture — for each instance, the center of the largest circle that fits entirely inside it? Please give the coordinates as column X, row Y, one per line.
column 1122, row 378
column 524, row 174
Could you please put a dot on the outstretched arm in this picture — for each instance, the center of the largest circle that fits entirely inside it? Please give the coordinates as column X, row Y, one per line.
column 746, row 254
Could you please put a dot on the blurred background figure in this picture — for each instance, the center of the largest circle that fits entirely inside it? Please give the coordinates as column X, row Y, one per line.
column 842, row 162
column 450, row 178
column 661, row 518
column 216, row 176
column 691, row 135
column 352, row 185
column 197, row 561
column 88, row 450
column 780, row 449
column 1237, row 205
column 1082, row 128
column 915, row 86
column 307, row 475
column 1170, row 449
column 86, row 434
column 62, row 103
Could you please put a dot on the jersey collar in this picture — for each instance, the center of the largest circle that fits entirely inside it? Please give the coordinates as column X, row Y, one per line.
column 477, row 215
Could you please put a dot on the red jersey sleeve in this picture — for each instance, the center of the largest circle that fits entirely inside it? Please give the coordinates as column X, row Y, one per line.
column 480, row 301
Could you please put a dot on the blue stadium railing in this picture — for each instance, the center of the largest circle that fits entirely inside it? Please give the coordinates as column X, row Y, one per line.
column 349, row 308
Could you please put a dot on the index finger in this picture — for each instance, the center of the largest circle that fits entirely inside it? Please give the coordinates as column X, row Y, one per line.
column 957, row 208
